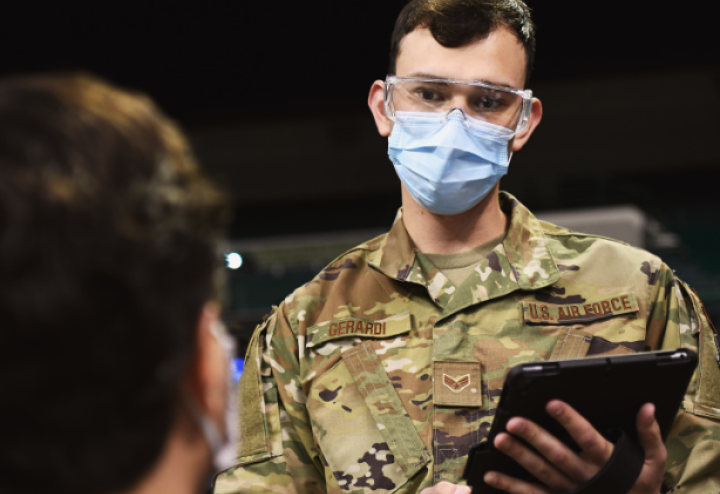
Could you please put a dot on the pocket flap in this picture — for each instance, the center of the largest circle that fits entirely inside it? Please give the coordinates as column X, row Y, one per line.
column 386, row 408
column 358, row 328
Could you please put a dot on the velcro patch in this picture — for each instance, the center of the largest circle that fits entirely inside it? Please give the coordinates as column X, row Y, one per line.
column 542, row 313
column 573, row 342
column 457, row 384
column 359, row 328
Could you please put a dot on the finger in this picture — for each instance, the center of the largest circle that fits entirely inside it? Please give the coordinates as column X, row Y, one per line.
column 446, row 488
column 512, row 485
column 650, row 437
column 554, row 451
column 532, row 462
column 595, row 447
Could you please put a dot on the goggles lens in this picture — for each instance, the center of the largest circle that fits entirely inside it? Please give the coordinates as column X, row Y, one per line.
column 486, row 103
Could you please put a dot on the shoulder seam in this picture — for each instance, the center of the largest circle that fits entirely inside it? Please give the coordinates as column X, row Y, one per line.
column 581, row 234
column 609, row 239
column 362, row 247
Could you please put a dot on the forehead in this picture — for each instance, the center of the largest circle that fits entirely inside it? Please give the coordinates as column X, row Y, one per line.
column 499, row 58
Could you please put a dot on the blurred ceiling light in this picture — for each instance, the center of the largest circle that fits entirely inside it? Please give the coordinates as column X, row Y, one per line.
column 234, row 260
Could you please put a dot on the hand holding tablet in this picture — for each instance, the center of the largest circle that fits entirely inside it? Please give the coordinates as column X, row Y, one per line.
column 562, row 469
column 607, row 441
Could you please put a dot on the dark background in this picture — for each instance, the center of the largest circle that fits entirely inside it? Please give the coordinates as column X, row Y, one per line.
column 212, row 64
column 273, row 97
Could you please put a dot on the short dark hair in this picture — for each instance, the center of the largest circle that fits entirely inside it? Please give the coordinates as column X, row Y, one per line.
column 108, row 237
column 456, row 23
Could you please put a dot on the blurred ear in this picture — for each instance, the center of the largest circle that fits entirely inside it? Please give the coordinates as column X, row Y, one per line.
column 207, row 378
column 376, row 102
column 536, row 112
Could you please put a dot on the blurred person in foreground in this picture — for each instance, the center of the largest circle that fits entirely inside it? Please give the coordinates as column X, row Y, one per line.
column 380, row 373
column 113, row 363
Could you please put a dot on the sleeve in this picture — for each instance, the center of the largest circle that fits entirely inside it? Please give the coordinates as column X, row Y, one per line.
column 276, row 451
column 693, row 444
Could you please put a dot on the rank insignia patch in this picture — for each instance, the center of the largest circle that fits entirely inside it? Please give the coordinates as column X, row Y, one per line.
column 457, row 384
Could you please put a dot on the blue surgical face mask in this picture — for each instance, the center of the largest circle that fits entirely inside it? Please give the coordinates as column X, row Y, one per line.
column 448, row 162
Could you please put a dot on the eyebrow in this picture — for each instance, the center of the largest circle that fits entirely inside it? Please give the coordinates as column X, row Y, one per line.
column 434, row 76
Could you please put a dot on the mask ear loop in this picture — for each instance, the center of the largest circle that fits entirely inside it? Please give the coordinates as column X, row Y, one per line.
column 522, row 124
column 208, row 429
column 215, row 439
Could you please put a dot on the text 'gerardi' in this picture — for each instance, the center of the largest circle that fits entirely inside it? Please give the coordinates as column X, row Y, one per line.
column 356, row 327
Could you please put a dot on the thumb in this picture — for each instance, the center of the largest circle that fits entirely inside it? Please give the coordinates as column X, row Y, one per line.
column 649, row 436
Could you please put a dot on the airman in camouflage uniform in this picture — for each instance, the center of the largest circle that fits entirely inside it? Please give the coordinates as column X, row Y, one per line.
column 380, row 373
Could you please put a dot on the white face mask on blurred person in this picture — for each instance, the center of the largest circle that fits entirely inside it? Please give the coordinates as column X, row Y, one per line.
column 223, row 444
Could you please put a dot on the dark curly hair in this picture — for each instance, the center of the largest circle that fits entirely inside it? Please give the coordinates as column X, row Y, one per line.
column 108, row 237
column 456, row 23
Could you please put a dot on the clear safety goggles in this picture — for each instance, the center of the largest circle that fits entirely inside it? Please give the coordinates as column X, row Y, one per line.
column 498, row 105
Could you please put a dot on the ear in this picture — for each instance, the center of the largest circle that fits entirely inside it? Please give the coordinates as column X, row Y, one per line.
column 536, row 112
column 206, row 380
column 376, row 102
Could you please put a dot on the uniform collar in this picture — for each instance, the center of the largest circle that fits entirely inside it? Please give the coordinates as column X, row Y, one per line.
column 396, row 255
column 526, row 247
column 523, row 258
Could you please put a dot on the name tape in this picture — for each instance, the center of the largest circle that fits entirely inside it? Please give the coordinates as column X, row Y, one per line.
column 362, row 328
column 542, row 313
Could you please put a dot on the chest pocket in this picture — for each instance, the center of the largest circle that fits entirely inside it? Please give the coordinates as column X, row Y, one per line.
column 364, row 432
column 604, row 327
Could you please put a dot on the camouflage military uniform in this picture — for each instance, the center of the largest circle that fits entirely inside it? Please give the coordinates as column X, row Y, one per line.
column 379, row 374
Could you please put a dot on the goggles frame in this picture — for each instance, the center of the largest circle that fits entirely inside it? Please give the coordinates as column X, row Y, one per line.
column 525, row 94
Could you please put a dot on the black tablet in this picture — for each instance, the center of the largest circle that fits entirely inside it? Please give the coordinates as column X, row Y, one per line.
column 607, row 391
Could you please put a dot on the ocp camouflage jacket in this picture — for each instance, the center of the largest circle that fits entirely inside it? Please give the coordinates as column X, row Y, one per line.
column 379, row 374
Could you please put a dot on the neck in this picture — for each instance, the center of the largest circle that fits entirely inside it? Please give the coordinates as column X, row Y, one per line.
column 449, row 234
column 183, row 464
